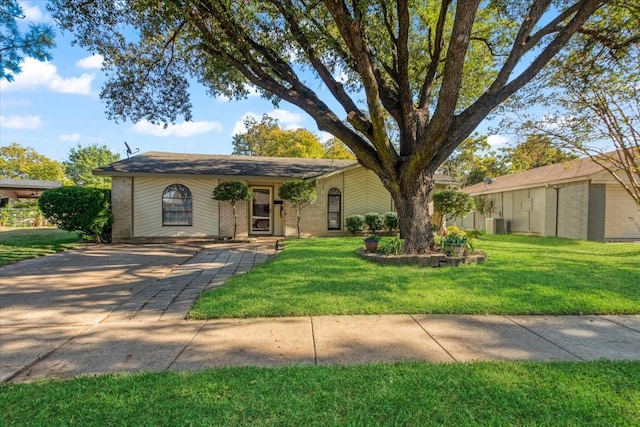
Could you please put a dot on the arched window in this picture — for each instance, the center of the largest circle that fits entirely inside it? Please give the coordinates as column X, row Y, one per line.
column 177, row 205
column 334, row 209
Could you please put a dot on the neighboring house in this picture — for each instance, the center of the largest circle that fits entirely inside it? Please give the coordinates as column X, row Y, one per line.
column 19, row 189
column 576, row 199
column 170, row 195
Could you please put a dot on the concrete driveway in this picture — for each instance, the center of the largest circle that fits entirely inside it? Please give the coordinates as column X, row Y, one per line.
column 46, row 302
column 121, row 308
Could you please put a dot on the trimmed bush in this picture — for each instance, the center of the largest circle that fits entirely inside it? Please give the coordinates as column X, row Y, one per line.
column 232, row 191
column 355, row 223
column 83, row 209
column 374, row 221
column 391, row 221
column 300, row 194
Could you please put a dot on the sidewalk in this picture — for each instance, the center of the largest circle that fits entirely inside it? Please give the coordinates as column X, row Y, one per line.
column 127, row 316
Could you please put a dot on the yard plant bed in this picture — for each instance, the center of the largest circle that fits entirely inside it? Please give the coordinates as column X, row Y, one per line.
column 522, row 275
column 426, row 260
column 468, row 394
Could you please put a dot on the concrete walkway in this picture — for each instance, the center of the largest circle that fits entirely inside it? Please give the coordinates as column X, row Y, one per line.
column 121, row 308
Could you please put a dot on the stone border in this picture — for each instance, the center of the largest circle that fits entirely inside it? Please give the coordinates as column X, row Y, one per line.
column 426, row 260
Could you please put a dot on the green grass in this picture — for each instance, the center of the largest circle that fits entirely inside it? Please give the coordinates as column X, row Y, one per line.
column 24, row 243
column 523, row 275
column 598, row 393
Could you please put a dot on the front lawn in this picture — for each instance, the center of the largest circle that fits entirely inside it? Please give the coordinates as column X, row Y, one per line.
column 523, row 275
column 598, row 393
column 24, row 243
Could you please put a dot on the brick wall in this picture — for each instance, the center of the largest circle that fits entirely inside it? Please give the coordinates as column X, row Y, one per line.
column 122, row 206
column 314, row 216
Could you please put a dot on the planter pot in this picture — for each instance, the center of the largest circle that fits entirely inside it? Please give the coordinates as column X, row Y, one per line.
column 371, row 245
column 454, row 249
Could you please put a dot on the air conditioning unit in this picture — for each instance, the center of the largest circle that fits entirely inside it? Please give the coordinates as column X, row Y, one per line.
column 494, row 225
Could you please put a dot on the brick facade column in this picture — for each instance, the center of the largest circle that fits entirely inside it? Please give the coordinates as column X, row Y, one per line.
column 122, row 208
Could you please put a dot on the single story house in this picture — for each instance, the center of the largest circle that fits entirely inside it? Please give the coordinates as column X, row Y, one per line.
column 20, row 189
column 158, row 194
column 577, row 199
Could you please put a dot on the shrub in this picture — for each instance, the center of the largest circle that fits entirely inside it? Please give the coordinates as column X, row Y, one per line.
column 374, row 222
column 355, row 223
column 391, row 221
column 391, row 246
column 83, row 209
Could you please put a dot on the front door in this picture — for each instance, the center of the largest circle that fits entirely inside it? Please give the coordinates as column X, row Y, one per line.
column 261, row 210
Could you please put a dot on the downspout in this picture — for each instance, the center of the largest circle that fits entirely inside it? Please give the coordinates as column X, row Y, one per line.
column 557, row 207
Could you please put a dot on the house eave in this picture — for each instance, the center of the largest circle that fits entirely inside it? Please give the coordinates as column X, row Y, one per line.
column 529, row 186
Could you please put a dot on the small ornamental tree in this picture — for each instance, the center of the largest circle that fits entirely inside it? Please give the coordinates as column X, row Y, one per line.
column 83, row 209
column 300, row 194
column 452, row 203
column 232, row 191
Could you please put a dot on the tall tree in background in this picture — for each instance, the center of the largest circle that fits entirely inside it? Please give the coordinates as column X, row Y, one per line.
column 82, row 160
column 474, row 160
column 533, row 152
column 18, row 162
column 435, row 68
column 267, row 138
column 16, row 44
column 593, row 104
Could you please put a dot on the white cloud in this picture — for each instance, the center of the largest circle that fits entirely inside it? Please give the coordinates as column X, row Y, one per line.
column 239, row 127
column 21, row 122
column 32, row 13
column 287, row 119
column 324, row 136
column 182, row 130
column 497, row 140
column 73, row 137
column 285, row 116
column 36, row 74
column 91, row 62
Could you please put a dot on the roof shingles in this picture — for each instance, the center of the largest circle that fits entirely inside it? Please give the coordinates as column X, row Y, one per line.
column 560, row 172
column 154, row 162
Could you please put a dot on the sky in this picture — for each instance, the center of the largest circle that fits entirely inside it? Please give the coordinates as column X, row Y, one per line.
column 54, row 106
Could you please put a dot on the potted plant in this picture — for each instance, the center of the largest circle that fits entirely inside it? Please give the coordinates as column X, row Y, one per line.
column 371, row 242
column 454, row 241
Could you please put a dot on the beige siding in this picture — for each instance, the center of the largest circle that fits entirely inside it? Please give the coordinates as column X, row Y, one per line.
column 622, row 215
column 538, row 199
column 363, row 193
column 147, row 208
column 573, row 210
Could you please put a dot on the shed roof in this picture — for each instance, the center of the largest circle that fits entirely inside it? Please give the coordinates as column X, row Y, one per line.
column 572, row 170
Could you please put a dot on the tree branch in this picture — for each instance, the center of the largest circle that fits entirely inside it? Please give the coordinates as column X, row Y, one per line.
column 438, row 45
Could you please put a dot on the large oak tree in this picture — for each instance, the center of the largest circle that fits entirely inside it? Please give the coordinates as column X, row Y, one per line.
column 434, row 69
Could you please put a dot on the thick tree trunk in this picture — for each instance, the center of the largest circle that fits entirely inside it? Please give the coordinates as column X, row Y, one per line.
column 411, row 201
